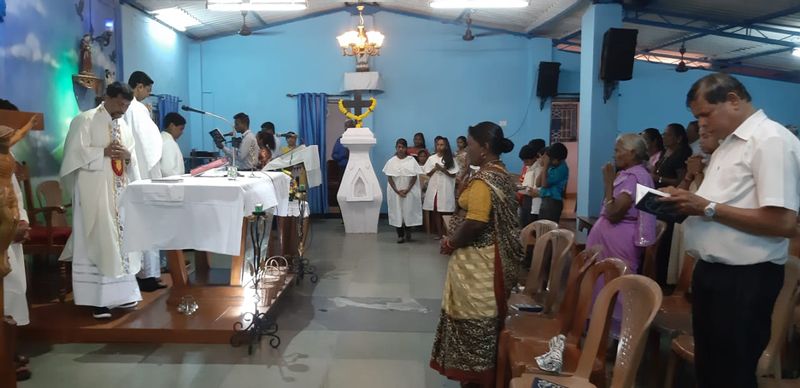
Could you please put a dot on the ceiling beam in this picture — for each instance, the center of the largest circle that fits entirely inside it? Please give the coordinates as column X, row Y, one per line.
column 699, row 32
column 754, row 55
column 576, row 4
column 725, row 25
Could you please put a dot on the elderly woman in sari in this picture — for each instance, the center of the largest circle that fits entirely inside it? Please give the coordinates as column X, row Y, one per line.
column 484, row 251
column 622, row 230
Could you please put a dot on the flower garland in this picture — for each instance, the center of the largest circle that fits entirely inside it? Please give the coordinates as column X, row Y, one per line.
column 358, row 118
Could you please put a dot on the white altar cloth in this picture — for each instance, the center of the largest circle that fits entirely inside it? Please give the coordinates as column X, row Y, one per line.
column 201, row 213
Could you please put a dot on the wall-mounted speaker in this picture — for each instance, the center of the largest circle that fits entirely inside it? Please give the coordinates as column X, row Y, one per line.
column 619, row 48
column 547, row 83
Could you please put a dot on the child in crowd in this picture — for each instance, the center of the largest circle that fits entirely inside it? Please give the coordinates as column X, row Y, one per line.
column 552, row 182
column 440, row 198
column 403, row 191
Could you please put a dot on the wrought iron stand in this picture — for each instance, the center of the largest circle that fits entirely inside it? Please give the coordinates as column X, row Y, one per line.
column 301, row 265
column 260, row 324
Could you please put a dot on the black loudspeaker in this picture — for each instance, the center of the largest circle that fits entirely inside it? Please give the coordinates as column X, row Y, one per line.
column 619, row 48
column 547, row 84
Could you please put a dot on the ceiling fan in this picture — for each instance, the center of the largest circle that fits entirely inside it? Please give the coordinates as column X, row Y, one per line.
column 468, row 35
column 245, row 30
column 682, row 67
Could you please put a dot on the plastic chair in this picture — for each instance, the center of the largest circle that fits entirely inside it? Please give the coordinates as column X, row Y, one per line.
column 769, row 365
column 523, row 349
column 651, row 253
column 536, row 291
column 674, row 317
column 528, row 236
column 641, row 299
column 541, row 324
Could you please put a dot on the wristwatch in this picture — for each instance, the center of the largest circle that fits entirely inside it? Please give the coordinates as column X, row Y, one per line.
column 710, row 210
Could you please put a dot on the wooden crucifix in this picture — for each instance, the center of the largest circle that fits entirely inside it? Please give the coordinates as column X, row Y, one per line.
column 356, row 104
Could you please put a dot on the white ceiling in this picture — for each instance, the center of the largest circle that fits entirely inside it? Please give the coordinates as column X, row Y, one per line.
column 559, row 18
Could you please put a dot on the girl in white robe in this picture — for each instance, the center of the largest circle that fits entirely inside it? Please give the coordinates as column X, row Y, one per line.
column 440, row 198
column 403, row 192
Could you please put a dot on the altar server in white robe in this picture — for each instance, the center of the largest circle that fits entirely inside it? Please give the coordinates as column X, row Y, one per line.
column 148, row 154
column 171, row 156
column 403, row 191
column 99, row 161
column 15, row 283
column 440, row 197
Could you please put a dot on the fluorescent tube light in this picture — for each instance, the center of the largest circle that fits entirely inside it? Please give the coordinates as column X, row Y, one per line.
column 479, row 3
column 176, row 18
column 796, row 52
column 255, row 5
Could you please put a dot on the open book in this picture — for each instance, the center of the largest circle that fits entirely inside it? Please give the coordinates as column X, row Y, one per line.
column 647, row 200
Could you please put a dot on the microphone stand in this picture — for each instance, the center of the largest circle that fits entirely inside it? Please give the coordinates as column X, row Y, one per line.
column 236, row 141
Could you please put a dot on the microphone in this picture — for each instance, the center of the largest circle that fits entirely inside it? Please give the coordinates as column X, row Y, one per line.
column 190, row 109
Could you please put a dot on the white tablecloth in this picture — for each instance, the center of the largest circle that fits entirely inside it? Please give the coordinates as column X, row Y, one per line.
column 199, row 212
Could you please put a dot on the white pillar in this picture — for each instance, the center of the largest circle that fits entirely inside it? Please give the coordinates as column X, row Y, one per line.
column 359, row 193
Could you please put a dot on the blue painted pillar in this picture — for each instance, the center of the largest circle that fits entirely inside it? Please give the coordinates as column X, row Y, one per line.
column 598, row 120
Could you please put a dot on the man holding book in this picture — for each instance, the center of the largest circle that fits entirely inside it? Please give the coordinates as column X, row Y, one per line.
column 740, row 219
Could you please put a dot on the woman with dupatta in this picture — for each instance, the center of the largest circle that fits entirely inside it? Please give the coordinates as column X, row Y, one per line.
column 484, row 251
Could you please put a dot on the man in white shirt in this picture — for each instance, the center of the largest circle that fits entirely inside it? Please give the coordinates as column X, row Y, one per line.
column 171, row 157
column 741, row 217
column 247, row 152
column 148, row 154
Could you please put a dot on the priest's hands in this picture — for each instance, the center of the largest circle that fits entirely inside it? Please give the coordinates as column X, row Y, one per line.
column 117, row 151
column 23, row 232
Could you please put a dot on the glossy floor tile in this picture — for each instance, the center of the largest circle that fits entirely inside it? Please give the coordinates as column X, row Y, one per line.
column 323, row 344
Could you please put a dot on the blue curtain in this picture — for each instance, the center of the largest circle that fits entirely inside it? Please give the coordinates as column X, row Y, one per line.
column 166, row 104
column 311, row 113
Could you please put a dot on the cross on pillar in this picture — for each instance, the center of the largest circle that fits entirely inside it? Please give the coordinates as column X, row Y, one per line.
column 356, row 103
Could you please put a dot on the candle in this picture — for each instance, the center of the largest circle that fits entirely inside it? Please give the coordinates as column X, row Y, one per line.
column 259, row 208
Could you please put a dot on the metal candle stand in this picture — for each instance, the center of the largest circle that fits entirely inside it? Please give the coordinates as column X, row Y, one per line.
column 260, row 324
column 300, row 265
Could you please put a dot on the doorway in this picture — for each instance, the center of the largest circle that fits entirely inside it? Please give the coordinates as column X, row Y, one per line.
column 334, row 128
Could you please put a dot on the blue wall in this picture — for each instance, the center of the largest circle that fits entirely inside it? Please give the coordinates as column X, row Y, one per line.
column 39, row 43
column 434, row 81
column 159, row 51
column 656, row 95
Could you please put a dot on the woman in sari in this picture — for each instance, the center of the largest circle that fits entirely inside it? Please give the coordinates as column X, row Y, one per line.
column 484, row 251
column 622, row 230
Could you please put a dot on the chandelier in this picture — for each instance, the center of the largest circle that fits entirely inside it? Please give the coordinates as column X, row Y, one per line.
column 360, row 43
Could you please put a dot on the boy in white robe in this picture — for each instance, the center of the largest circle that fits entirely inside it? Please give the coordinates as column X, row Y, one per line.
column 148, row 154
column 403, row 192
column 171, row 156
column 99, row 161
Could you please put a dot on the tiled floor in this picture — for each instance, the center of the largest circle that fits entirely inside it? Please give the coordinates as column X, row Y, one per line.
column 323, row 345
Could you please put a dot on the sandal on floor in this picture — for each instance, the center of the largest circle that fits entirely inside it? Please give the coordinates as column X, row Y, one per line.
column 23, row 373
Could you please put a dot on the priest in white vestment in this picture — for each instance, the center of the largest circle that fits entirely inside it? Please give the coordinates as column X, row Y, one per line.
column 403, row 198
column 99, row 161
column 148, row 154
column 171, row 156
